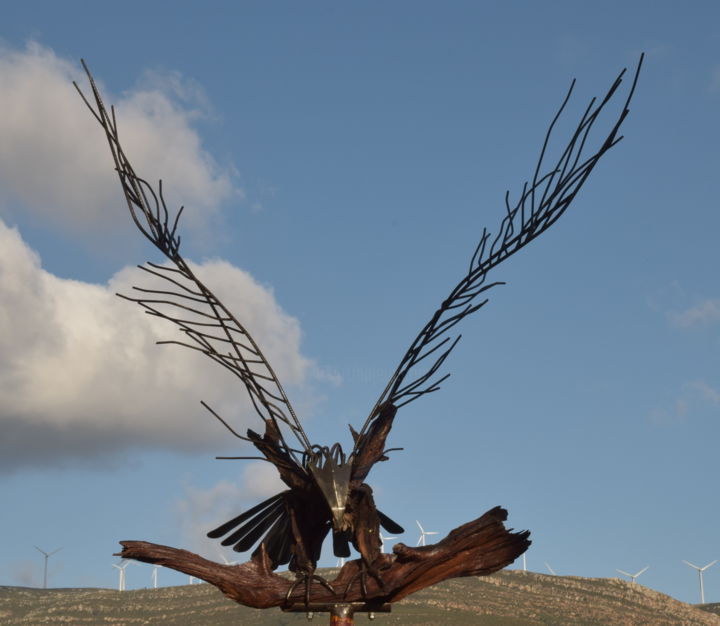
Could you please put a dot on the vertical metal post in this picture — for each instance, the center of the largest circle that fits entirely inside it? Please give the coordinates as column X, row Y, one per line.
column 342, row 615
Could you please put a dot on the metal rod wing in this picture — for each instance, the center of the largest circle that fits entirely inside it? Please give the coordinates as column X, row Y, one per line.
column 542, row 201
column 178, row 295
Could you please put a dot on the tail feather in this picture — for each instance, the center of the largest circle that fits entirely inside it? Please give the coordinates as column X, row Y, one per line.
column 278, row 541
column 250, row 532
column 271, row 518
column 236, row 521
column 390, row 525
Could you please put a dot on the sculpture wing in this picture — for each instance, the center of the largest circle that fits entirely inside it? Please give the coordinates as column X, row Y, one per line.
column 542, row 201
column 181, row 297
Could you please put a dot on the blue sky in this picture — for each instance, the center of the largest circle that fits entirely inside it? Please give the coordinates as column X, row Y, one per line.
column 338, row 162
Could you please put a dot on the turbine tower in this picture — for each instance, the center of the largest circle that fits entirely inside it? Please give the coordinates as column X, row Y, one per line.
column 383, row 539
column 340, row 562
column 47, row 556
column 700, row 574
column 423, row 534
column 123, row 564
column 155, row 569
column 632, row 577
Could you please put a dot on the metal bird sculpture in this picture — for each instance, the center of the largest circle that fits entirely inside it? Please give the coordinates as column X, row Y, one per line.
column 326, row 490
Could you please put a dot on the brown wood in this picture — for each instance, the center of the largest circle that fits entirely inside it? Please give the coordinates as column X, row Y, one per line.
column 477, row 548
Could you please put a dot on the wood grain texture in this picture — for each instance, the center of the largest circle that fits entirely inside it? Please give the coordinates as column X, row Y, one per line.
column 477, row 548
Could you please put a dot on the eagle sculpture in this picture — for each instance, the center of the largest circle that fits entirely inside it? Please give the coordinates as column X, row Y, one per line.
column 326, row 490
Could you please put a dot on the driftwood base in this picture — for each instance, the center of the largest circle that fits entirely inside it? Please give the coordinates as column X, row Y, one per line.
column 477, row 548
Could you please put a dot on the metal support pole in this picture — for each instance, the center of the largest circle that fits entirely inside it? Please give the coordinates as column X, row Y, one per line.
column 342, row 615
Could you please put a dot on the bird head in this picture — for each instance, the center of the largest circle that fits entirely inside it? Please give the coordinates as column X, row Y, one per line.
column 331, row 472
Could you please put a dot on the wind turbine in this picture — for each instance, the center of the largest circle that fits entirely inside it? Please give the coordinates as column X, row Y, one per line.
column 632, row 577
column 384, row 539
column 123, row 564
column 224, row 558
column 47, row 556
column 552, row 571
column 423, row 534
column 154, row 575
column 700, row 574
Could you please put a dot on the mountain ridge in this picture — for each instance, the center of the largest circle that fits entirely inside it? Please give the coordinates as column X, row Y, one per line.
column 508, row 598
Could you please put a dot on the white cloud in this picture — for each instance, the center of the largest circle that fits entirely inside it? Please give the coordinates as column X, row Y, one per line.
column 676, row 413
column 201, row 510
column 82, row 378
column 705, row 312
column 53, row 156
column 694, row 397
column 708, row 393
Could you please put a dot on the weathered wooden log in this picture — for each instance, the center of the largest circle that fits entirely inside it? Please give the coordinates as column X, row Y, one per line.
column 477, row 548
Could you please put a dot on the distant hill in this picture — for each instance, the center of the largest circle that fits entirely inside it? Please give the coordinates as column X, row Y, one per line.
column 509, row 598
